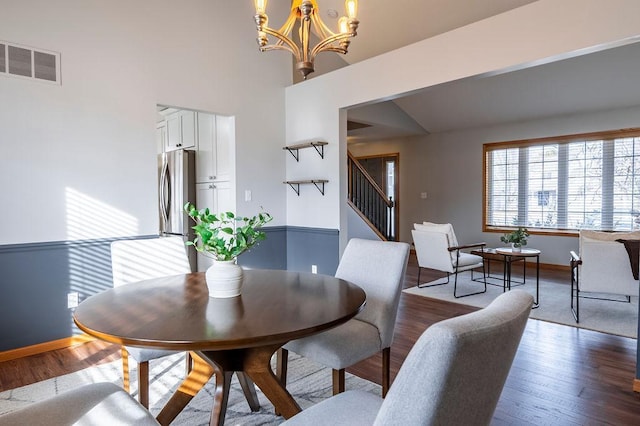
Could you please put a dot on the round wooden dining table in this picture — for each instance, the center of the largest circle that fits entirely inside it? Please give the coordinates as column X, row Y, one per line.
column 226, row 336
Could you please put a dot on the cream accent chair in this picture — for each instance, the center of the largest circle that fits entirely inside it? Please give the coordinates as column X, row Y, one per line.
column 603, row 268
column 453, row 375
column 138, row 260
column 379, row 268
column 437, row 248
column 88, row 405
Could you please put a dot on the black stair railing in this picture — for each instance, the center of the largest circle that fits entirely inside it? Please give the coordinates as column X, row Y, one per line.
column 369, row 201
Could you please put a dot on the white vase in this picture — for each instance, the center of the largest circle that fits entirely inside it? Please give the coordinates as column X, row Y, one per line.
column 516, row 248
column 224, row 278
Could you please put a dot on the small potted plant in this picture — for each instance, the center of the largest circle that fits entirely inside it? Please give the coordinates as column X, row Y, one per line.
column 517, row 238
column 225, row 236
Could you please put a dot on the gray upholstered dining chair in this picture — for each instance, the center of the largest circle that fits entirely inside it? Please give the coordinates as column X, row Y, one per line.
column 453, row 375
column 93, row 404
column 138, row 260
column 379, row 268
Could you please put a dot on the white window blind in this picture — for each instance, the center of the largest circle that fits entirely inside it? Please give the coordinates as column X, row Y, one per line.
column 574, row 182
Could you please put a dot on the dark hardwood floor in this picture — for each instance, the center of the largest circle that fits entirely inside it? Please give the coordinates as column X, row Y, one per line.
column 561, row 375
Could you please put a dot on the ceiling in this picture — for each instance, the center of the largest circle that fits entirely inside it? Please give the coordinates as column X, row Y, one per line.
column 387, row 25
column 596, row 82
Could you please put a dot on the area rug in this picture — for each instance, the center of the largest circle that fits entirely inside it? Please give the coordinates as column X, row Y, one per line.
column 309, row 383
column 619, row 318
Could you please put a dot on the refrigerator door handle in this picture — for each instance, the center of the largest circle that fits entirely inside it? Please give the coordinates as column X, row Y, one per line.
column 165, row 196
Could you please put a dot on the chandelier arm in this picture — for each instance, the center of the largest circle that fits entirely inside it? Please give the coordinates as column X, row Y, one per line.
column 284, row 43
column 277, row 46
column 330, row 49
column 321, row 27
column 288, row 25
column 325, row 44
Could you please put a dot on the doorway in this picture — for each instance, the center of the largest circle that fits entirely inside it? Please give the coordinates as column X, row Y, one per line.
column 384, row 169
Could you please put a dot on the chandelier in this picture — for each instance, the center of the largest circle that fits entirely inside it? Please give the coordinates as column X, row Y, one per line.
column 306, row 13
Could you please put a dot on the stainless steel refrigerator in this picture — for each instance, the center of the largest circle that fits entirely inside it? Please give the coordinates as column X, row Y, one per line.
column 177, row 186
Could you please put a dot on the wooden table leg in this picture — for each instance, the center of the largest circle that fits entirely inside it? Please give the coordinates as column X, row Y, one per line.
column 249, row 390
column 220, row 397
column 256, row 363
column 197, row 378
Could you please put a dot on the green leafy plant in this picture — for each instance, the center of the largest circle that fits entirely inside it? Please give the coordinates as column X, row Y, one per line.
column 518, row 237
column 225, row 236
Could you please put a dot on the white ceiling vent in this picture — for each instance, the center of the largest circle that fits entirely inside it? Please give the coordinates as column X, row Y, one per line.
column 26, row 62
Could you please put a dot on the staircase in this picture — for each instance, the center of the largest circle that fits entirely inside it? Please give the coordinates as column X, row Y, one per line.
column 369, row 201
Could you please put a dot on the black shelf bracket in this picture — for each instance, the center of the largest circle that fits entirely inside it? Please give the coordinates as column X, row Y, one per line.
column 319, row 149
column 295, row 154
column 295, row 149
column 316, row 185
column 295, row 184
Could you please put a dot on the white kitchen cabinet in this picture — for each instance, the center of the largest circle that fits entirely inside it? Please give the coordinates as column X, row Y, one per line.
column 215, row 159
column 218, row 197
column 181, row 130
column 161, row 136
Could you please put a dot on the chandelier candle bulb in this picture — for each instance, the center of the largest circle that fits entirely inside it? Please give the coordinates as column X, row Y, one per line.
column 261, row 6
column 352, row 8
column 344, row 25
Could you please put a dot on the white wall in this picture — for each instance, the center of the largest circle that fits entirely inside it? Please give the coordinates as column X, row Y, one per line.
column 358, row 228
column 79, row 160
column 537, row 33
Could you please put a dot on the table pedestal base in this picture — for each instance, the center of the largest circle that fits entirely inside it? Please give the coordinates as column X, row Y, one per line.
column 252, row 362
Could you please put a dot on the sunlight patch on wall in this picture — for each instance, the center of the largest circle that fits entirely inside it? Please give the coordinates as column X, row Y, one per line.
column 90, row 263
column 89, row 218
column 138, row 260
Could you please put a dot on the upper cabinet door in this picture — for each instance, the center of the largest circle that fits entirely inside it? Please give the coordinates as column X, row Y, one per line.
column 205, row 164
column 161, row 136
column 181, row 130
column 225, row 144
column 215, row 148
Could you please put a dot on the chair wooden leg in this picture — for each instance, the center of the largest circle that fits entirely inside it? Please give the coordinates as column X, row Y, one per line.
column 386, row 370
column 338, row 381
column 143, row 383
column 125, row 368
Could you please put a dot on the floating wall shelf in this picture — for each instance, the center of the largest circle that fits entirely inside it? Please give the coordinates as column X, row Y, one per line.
column 295, row 184
column 318, row 146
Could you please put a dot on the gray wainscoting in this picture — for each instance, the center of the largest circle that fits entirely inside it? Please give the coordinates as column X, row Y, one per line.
column 35, row 278
column 270, row 253
column 312, row 246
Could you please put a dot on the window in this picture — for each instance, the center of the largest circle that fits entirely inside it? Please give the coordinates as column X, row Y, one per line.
column 567, row 183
